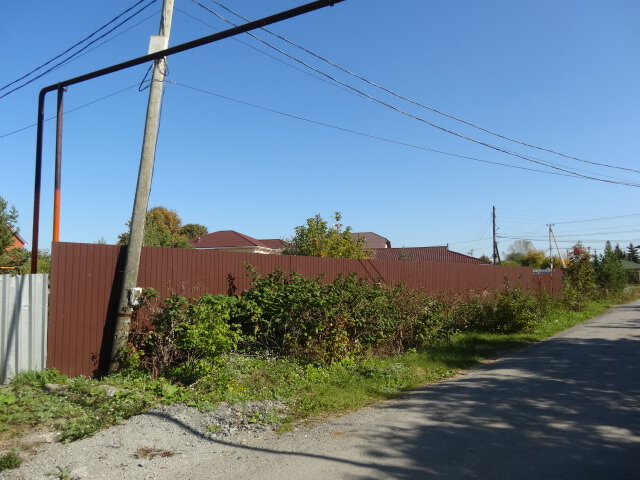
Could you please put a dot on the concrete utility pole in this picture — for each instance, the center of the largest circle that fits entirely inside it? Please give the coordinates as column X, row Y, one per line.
column 136, row 234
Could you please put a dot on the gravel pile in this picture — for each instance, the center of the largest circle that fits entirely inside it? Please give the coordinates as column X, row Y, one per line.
column 147, row 445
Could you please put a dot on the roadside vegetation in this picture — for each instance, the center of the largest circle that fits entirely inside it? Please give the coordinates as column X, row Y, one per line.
column 319, row 347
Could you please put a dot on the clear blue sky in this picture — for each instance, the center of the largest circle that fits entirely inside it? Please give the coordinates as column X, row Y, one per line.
column 562, row 75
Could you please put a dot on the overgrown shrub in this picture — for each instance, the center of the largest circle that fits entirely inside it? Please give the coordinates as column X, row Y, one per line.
column 579, row 278
column 288, row 315
column 328, row 322
column 189, row 334
column 509, row 311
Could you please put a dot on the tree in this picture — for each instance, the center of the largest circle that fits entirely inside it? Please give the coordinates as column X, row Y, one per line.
column 525, row 254
column 17, row 259
column 632, row 253
column 8, row 229
column 619, row 252
column 579, row 276
column 162, row 228
column 610, row 274
column 317, row 239
column 193, row 230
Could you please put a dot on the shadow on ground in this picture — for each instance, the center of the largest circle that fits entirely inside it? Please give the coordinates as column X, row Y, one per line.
column 567, row 408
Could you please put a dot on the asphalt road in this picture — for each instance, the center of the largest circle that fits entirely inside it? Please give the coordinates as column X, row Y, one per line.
column 566, row 408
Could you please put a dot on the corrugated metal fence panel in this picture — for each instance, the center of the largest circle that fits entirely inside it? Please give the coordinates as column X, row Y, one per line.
column 23, row 323
column 85, row 286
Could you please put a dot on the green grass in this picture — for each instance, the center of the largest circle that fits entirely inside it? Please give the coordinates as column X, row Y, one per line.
column 311, row 390
column 10, row 460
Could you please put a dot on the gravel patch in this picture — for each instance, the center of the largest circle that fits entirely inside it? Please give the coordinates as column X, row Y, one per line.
column 147, row 445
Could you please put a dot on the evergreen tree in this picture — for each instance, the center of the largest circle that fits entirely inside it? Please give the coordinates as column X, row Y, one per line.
column 8, row 219
column 610, row 274
column 619, row 252
column 632, row 253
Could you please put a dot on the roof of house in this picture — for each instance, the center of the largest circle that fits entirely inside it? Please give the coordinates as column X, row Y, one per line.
column 425, row 254
column 629, row 265
column 373, row 240
column 18, row 241
column 231, row 238
column 275, row 243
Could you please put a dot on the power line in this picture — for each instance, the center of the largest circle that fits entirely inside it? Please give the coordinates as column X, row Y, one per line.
column 75, row 54
column 273, row 57
column 416, row 117
column 363, row 134
column 599, row 219
column 587, row 240
column 419, row 104
column 114, row 37
column 71, row 110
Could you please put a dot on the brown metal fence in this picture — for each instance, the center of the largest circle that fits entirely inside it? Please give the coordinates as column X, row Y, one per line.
column 86, row 281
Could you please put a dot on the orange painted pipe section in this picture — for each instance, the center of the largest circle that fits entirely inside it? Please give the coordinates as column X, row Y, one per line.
column 56, row 215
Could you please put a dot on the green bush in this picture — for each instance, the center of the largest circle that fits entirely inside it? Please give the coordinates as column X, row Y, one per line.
column 287, row 315
column 348, row 317
column 579, row 278
column 188, row 335
column 509, row 311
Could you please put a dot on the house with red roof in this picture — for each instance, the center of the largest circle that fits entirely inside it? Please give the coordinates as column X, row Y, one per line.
column 233, row 241
column 18, row 242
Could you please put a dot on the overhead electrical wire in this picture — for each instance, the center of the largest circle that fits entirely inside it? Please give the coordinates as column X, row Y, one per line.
column 573, row 241
column 78, row 52
column 419, row 104
column 273, row 57
column 71, row 110
column 363, row 134
column 131, row 27
column 599, row 219
column 416, row 117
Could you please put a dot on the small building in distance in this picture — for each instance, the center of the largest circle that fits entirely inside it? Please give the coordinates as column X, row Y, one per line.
column 372, row 240
column 425, row 254
column 233, row 241
column 18, row 242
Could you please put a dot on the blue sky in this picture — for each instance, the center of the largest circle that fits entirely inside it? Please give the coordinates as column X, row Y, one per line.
column 562, row 75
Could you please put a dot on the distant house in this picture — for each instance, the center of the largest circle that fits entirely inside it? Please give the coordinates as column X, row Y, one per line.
column 233, row 241
column 18, row 242
column 372, row 240
column 633, row 270
column 425, row 254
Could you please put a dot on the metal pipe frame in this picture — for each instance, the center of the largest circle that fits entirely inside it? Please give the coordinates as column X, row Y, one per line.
column 263, row 22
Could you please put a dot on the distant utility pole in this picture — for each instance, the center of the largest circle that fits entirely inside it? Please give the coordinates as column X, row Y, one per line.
column 496, row 253
column 550, row 248
column 555, row 240
column 136, row 234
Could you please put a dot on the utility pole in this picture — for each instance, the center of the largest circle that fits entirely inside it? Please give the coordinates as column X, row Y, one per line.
column 136, row 234
column 555, row 240
column 550, row 248
column 496, row 253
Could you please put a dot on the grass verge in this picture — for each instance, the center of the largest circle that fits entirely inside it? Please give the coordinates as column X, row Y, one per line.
column 77, row 407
